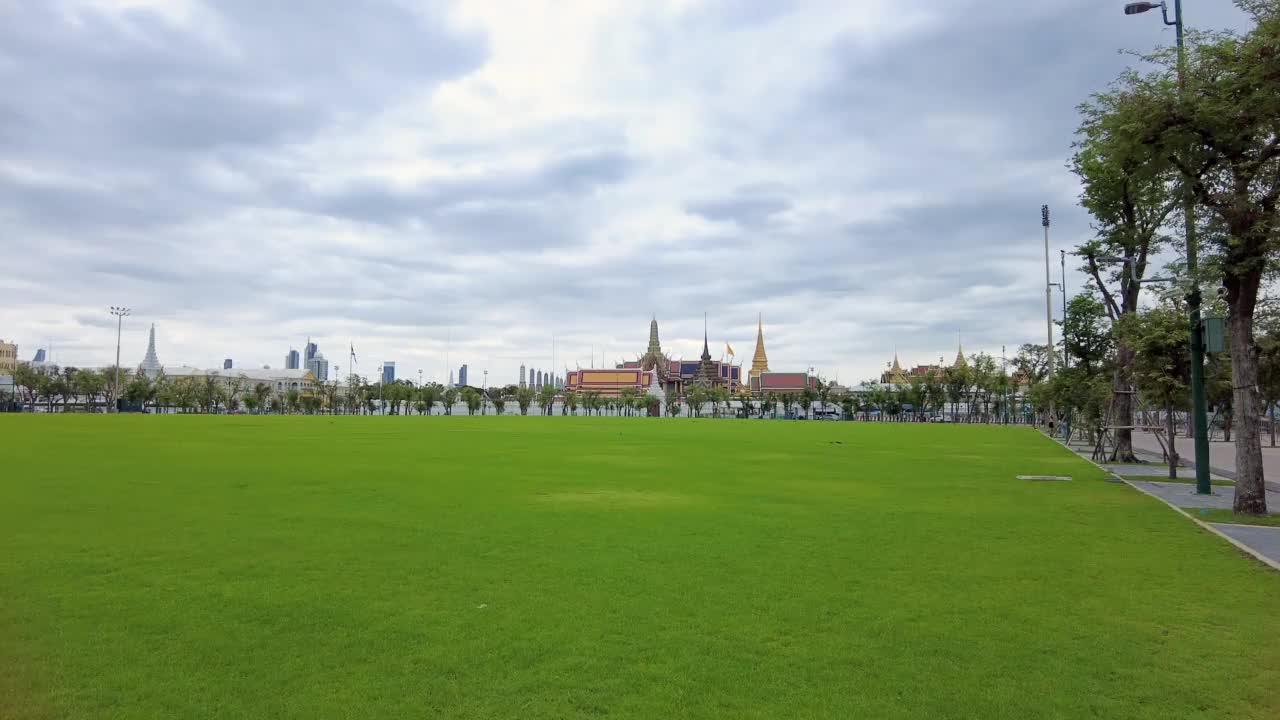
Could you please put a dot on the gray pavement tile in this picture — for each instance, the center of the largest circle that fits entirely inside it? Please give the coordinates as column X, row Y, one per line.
column 1265, row 540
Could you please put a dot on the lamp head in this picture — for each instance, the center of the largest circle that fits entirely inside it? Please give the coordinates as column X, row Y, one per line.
column 1044, row 215
column 1138, row 8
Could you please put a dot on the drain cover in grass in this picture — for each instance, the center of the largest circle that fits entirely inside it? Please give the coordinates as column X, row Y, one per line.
column 1045, row 478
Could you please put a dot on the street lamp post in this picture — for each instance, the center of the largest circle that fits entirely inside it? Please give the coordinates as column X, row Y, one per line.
column 120, row 313
column 1062, row 285
column 1199, row 410
column 1048, row 305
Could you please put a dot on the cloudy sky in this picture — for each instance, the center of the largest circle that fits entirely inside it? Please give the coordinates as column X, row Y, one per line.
column 479, row 177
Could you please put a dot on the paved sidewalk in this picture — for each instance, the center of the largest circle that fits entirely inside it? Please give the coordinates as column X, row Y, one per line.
column 1184, row 495
column 1265, row 540
column 1222, row 456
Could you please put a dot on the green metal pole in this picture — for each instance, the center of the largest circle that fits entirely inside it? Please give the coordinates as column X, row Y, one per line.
column 1199, row 410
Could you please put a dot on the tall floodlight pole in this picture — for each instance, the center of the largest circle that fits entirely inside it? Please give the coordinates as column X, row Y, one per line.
column 1048, row 299
column 1199, row 407
column 120, row 313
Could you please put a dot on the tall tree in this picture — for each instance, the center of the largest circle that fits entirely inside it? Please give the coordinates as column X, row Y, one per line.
column 524, row 398
column 1223, row 133
column 261, row 394
column 1162, row 364
column 672, row 399
column 546, row 399
column 1269, row 374
column 89, row 384
column 1130, row 189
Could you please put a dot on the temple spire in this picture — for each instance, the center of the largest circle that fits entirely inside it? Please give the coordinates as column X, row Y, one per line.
column 706, row 370
column 151, row 364
column 759, row 361
column 706, row 352
column 960, row 361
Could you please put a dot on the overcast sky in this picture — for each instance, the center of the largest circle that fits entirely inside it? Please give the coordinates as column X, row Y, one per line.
column 479, row 177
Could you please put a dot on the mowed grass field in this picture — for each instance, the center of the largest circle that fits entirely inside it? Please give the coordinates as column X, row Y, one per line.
column 293, row 567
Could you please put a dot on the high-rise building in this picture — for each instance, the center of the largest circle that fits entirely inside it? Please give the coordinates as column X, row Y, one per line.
column 450, row 379
column 226, row 364
column 539, row 385
column 388, row 373
column 522, row 377
column 291, row 360
column 311, row 350
column 151, row 366
column 462, row 375
column 319, row 366
column 8, row 357
column 40, row 356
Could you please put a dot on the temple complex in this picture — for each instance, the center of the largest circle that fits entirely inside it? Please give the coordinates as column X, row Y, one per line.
column 655, row 373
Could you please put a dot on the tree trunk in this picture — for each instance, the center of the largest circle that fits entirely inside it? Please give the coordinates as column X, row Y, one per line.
column 1122, row 383
column 1173, row 439
column 1242, row 293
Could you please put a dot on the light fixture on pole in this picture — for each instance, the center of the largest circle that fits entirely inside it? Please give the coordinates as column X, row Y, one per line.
column 1199, row 412
column 120, row 313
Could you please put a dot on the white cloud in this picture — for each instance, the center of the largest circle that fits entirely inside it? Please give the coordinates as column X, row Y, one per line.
column 478, row 177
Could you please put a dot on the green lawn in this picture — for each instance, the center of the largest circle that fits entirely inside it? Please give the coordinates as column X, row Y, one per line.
column 240, row 567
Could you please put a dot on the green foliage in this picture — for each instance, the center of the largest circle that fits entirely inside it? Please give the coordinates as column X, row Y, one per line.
column 546, row 398
column 1087, row 334
column 672, row 400
column 696, row 396
column 1161, row 340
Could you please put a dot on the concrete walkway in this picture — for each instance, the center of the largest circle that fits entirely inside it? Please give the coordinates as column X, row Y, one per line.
column 1184, row 495
column 1265, row 540
column 1222, row 456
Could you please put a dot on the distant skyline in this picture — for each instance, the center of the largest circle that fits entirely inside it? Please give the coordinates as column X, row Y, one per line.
column 526, row 183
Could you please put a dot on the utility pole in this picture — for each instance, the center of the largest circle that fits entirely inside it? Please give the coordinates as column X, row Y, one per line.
column 1048, row 299
column 1199, row 406
column 120, row 313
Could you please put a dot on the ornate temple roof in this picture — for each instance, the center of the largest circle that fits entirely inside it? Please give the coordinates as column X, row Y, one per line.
column 896, row 375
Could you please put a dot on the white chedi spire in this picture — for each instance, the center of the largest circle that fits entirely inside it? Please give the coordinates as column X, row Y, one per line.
column 151, row 364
